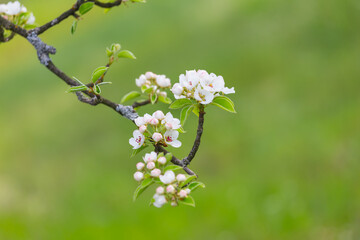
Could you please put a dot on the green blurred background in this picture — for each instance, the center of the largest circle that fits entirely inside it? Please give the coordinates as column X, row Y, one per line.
column 286, row 166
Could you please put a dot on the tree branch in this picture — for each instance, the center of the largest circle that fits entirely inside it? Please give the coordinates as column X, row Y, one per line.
column 186, row 161
column 43, row 52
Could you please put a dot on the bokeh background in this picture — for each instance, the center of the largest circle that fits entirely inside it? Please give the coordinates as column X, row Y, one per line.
column 286, row 166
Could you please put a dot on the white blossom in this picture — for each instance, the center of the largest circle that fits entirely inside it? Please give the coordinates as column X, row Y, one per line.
column 138, row 140
column 160, row 200
column 3, row 8
column 162, row 160
column 150, row 75
column 168, row 177
column 181, row 177
column 140, row 166
column 170, row 122
column 31, row 19
column 190, row 80
column 155, row 173
column 159, row 115
column 139, row 121
column 138, row 176
column 157, row 137
column 171, row 138
column 188, row 191
column 170, row 189
column 150, row 165
column 150, row 157
column 140, row 81
column 177, row 90
column 203, row 96
column 163, row 81
column 13, row 8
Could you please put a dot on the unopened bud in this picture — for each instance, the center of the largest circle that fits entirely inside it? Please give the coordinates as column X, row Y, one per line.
column 162, row 160
column 157, row 137
column 142, row 128
column 138, row 176
column 150, row 165
column 154, row 121
column 159, row 115
column 170, row 189
column 182, row 194
column 155, row 173
column 140, row 166
column 181, row 177
column 160, row 190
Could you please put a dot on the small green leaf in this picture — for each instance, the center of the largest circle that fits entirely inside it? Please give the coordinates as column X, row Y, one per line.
column 104, row 83
column 224, row 103
column 141, row 188
column 85, row 7
column 106, row 10
column 126, row 54
column 153, row 98
column 143, row 88
column 179, row 103
column 78, row 81
column 181, row 130
column 74, row 26
column 78, row 88
column 140, row 1
column 194, row 185
column 185, row 113
column 136, row 151
column 129, row 96
column 160, row 155
column 149, row 90
column 109, row 53
column 188, row 201
column 98, row 73
column 172, row 168
column 115, row 47
column 188, row 179
column 168, row 157
column 97, row 89
column 163, row 99
column 196, row 110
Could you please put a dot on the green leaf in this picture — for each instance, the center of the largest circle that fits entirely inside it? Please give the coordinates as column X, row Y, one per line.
column 160, row 155
column 97, row 89
column 77, row 80
column 168, row 157
column 163, row 99
column 181, row 130
column 126, row 54
column 109, row 53
column 188, row 201
column 129, row 96
column 185, row 113
column 224, row 103
column 196, row 109
column 141, row 188
column 136, row 151
column 143, row 88
column 104, row 83
column 98, row 73
column 172, row 168
column 179, row 103
column 78, row 88
column 153, row 98
column 85, row 7
column 149, row 90
column 74, row 26
column 194, row 185
column 188, row 179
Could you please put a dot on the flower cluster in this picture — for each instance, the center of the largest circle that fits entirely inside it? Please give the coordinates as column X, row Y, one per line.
column 172, row 187
column 158, row 128
column 17, row 13
column 201, row 86
column 153, row 83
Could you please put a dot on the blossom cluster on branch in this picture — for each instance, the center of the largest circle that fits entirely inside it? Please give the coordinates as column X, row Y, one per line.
column 195, row 91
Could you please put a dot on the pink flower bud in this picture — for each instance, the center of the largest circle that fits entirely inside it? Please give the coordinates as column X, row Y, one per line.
column 160, row 190
column 182, row 194
column 170, row 189
column 181, row 177
column 138, row 176
column 157, row 137
column 150, row 165
column 162, row 160
column 155, row 173
column 140, row 166
column 159, row 115
column 142, row 128
column 154, row 121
